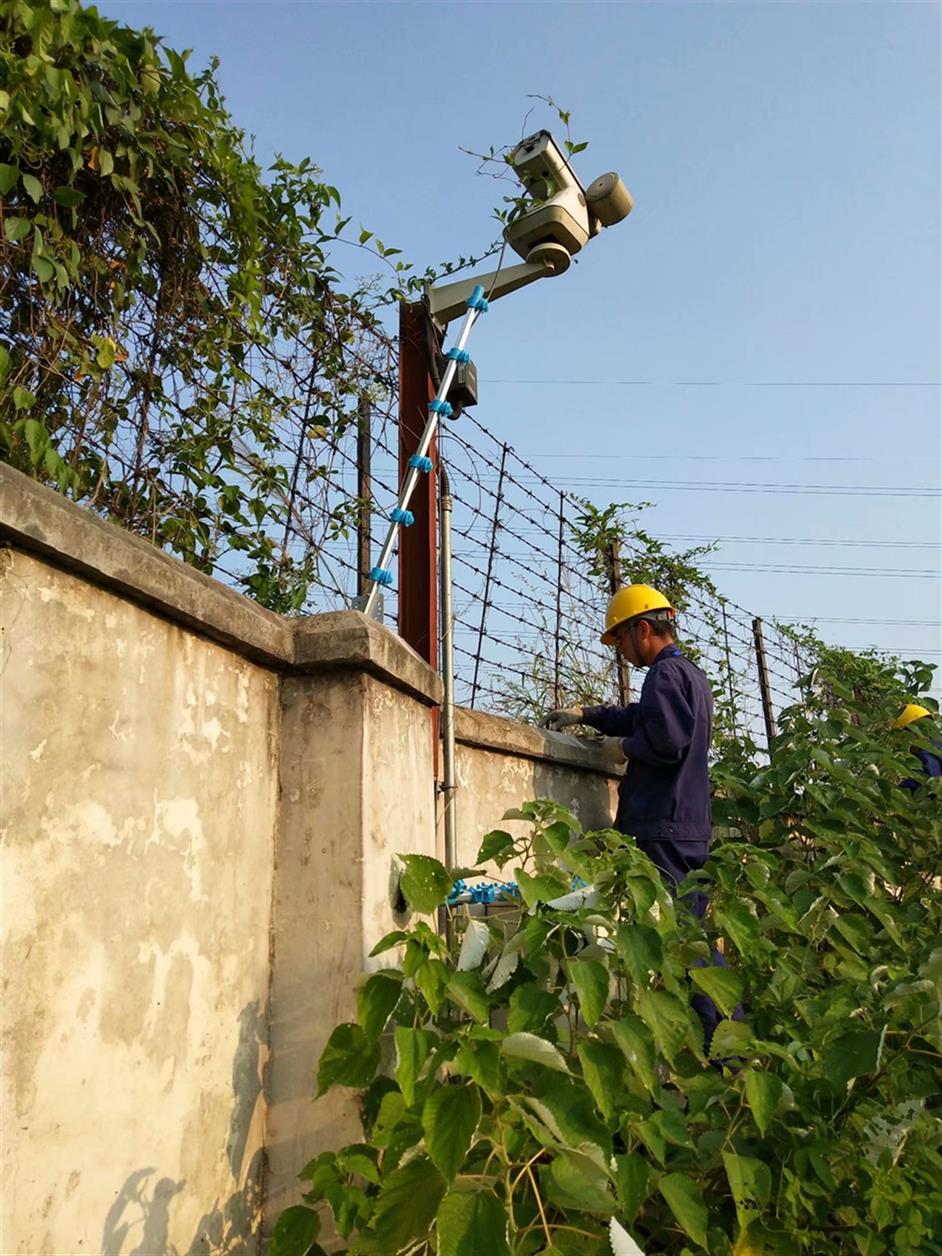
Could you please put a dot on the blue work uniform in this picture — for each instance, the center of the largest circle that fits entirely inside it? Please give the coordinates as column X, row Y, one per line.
column 931, row 766
column 664, row 796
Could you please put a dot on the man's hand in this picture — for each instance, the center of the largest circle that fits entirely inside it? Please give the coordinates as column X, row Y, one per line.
column 613, row 751
column 563, row 717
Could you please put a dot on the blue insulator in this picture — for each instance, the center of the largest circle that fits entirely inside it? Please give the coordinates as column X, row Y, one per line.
column 477, row 300
column 405, row 517
column 458, row 355
column 420, row 462
column 440, row 407
column 379, row 575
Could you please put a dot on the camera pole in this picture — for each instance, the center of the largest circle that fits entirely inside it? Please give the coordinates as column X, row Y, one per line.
column 418, row 608
column 414, row 389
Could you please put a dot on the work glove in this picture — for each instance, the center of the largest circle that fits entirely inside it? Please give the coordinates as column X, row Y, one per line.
column 562, row 717
column 613, row 751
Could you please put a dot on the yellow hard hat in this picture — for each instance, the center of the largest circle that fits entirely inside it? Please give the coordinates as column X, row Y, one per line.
column 629, row 602
column 909, row 714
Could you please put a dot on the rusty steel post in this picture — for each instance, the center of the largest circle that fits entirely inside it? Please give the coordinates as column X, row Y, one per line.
column 418, row 544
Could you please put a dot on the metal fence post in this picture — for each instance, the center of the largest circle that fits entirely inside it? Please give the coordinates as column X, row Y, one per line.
column 729, row 667
column 490, row 567
column 364, row 497
column 558, row 635
column 614, row 583
column 764, row 689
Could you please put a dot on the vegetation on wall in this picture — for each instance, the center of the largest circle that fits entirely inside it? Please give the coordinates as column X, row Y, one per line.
column 540, row 1084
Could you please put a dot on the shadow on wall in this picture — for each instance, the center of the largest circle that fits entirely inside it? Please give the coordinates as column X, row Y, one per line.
column 138, row 1222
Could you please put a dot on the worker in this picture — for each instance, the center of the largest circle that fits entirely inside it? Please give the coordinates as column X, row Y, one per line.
column 931, row 762
column 664, row 796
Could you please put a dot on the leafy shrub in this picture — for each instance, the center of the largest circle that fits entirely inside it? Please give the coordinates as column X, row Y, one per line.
column 549, row 1078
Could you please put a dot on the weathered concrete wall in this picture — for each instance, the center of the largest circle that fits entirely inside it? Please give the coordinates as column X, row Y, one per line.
column 202, row 804
column 500, row 764
column 358, row 787
column 140, row 781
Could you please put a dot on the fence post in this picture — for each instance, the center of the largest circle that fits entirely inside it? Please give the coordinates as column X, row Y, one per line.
column 418, row 545
column 614, row 584
column 364, row 497
column 559, row 601
column 729, row 667
column 490, row 567
column 764, row 682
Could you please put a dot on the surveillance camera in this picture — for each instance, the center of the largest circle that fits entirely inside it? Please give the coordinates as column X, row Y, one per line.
column 565, row 215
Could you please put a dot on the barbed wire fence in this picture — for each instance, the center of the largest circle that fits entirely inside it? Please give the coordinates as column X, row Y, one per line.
column 527, row 601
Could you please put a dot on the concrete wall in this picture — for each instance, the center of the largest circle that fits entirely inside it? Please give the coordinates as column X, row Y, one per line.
column 202, row 803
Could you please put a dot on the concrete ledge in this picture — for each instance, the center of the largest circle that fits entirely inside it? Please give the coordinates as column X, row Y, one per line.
column 503, row 736
column 40, row 520
column 349, row 640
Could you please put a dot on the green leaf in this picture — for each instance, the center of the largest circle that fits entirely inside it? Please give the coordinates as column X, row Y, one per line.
column 8, row 176
column 530, row 1008
column 739, row 925
column 413, row 1047
column 731, row 1039
column 390, row 940
column 295, row 1232
column 637, row 1045
column 449, row 1118
column 522, row 1046
column 685, row 1201
column 575, row 1181
column 425, row 883
column 406, row 1206
column 376, row 1000
column 481, row 1061
column 471, row 1223
column 474, row 945
column 22, row 400
column 721, row 985
column 667, row 1018
column 751, row 1184
column 16, row 228
column 4, row 364
column 32, row 187
column 568, row 1112
column 493, row 845
column 603, row 1068
column 632, row 1182
column 431, row 978
column 105, row 161
column 854, row 1054
column 467, row 991
column 37, row 438
column 590, row 979
column 763, row 1093
column 68, row 197
column 541, row 889
column 349, row 1059
column 43, row 269
column 640, row 948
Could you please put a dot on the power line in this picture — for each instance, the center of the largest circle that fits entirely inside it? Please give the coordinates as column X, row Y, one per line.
column 729, row 383
column 732, row 486
column 883, row 573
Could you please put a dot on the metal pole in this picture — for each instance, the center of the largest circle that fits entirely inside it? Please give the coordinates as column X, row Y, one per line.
column 729, row 667
column 490, row 568
column 449, row 784
column 418, row 610
column 764, row 682
column 364, row 496
column 621, row 664
column 557, row 701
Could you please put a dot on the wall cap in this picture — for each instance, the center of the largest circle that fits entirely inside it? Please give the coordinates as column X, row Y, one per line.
column 504, row 736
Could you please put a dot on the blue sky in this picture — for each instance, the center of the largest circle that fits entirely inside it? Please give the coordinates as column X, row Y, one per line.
column 784, row 253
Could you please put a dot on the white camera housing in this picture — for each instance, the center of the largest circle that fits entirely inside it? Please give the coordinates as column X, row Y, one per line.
column 562, row 219
column 565, row 214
